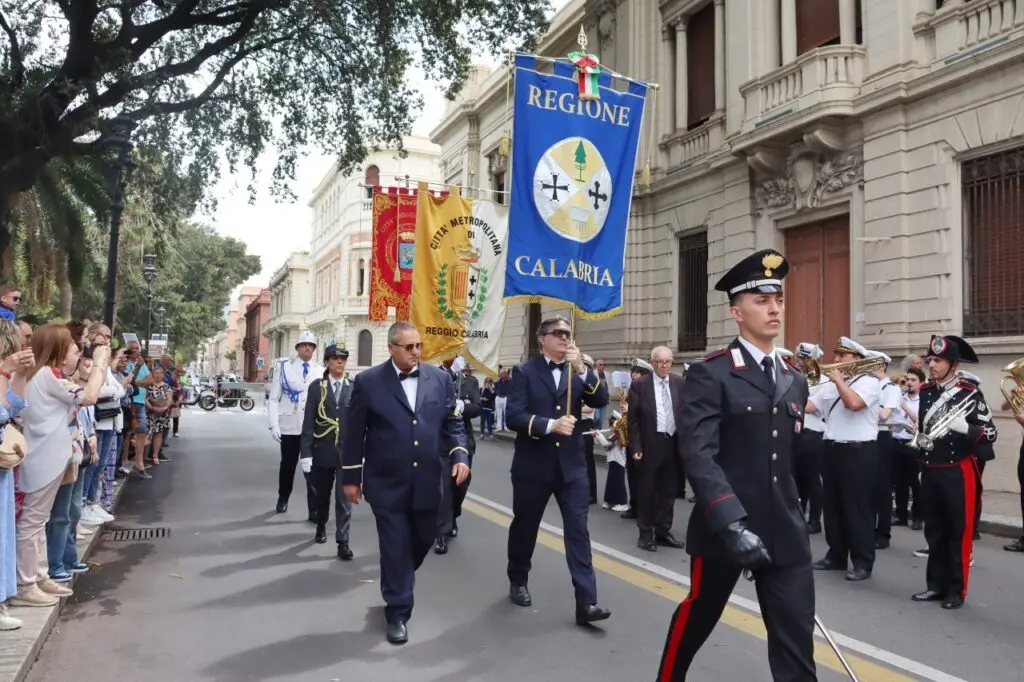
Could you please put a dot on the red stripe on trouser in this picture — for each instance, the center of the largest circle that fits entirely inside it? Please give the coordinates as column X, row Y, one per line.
column 970, row 473
column 678, row 627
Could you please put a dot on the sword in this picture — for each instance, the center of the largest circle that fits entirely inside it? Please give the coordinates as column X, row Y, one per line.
column 749, row 575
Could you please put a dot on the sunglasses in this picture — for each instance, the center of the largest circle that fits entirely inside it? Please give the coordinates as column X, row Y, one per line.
column 409, row 347
column 560, row 333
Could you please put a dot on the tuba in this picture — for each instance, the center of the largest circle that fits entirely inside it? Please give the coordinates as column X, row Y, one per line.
column 620, row 427
column 814, row 371
column 1013, row 379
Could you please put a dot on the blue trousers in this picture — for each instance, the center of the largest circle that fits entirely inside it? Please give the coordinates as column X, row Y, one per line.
column 106, row 441
column 405, row 538
column 61, row 543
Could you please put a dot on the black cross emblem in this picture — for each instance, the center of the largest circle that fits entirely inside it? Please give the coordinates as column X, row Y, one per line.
column 597, row 195
column 472, row 280
column 471, row 295
column 554, row 187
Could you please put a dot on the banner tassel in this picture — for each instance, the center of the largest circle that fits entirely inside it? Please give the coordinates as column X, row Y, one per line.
column 505, row 146
column 645, row 175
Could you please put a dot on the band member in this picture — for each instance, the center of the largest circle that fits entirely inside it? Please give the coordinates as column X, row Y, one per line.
column 887, row 412
column 907, row 481
column 401, row 414
column 548, row 460
column 654, row 402
column 850, row 472
column 467, row 390
column 320, row 445
column 742, row 412
column 1018, row 544
column 286, row 405
column 638, row 369
column 950, row 471
column 976, row 380
column 810, row 450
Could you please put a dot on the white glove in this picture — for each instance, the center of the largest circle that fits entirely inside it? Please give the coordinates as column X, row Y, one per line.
column 275, row 431
column 602, row 440
column 959, row 425
column 460, row 405
column 307, row 464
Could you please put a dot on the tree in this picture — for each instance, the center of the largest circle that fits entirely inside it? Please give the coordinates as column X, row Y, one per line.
column 215, row 80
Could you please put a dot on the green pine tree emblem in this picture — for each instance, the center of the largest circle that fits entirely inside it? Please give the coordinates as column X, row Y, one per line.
column 581, row 161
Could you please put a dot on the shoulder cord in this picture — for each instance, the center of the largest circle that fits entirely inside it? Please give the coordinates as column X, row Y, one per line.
column 322, row 420
column 293, row 395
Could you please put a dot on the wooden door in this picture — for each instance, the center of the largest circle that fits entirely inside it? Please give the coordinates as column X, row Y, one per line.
column 818, row 283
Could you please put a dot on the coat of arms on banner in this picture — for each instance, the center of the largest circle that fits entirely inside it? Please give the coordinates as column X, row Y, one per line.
column 572, row 189
column 462, row 286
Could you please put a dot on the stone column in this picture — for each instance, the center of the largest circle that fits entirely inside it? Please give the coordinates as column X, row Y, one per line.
column 787, row 27
column 847, row 22
column 682, row 108
column 668, row 123
column 720, row 55
column 770, row 46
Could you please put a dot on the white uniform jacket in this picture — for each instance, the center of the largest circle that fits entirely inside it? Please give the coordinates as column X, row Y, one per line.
column 288, row 395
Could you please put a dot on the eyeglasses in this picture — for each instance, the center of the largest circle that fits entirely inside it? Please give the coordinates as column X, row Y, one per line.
column 661, row 362
column 560, row 333
column 409, row 347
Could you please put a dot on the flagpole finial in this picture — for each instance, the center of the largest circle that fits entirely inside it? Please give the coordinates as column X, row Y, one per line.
column 581, row 39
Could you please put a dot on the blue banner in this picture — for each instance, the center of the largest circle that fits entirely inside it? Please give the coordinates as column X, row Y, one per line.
column 573, row 163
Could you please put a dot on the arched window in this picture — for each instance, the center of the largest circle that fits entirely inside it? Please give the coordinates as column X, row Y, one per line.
column 361, row 282
column 372, row 178
column 364, row 355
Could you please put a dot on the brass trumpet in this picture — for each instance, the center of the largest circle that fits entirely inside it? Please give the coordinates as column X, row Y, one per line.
column 1014, row 374
column 814, row 371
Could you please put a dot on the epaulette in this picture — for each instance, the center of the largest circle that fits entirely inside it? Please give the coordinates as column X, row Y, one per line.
column 792, row 363
column 967, row 385
column 716, row 354
column 925, row 385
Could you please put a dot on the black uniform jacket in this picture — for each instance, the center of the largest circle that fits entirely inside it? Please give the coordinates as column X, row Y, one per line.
column 981, row 430
column 391, row 448
column 533, row 401
column 323, row 424
column 736, row 438
column 467, row 389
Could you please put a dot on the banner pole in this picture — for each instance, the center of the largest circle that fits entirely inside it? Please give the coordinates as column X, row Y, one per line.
column 572, row 370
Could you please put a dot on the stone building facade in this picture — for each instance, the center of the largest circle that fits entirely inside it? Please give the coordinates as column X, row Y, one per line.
column 291, row 296
column 878, row 144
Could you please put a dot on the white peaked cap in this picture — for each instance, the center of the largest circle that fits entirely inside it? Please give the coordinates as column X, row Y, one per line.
column 587, row 360
column 306, row 337
column 846, row 343
column 810, row 350
column 879, row 354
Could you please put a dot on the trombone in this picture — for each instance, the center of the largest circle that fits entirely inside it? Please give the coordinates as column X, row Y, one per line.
column 814, row 371
column 1013, row 375
column 926, row 441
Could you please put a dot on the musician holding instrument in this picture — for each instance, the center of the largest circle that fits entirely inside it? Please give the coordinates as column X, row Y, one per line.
column 638, row 369
column 955, row 430
column 810, row 448
column 1012, row 386
column 889, row 421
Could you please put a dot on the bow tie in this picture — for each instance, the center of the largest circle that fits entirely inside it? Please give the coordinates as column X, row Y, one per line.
column 556, row 365
column 408, row 375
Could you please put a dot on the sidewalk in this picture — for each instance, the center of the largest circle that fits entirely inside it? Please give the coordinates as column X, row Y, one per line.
column 20, row 648
column 1000, row 512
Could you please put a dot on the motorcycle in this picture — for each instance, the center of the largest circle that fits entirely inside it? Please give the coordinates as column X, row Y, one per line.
column 230, row 396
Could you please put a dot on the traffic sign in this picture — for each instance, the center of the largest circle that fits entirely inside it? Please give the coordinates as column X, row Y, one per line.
column 259, row 363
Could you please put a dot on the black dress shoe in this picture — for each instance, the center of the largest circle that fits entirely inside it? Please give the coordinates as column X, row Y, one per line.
column 1016, row 546
column 441, row 545
column 858, row 574
column 927, row 595
column 668, row 540
column 977, row 536
column 882, row 543
column 899, row 521
column 321, row 536
column 344, row 553
column 282, row 507
column 312, row 517
column 454, row 532
column 647, row 545
column 813, row 527
column 952, row 602
column 591, row 613
column 519, row 595
column 916, row 525
column 827, row 564
column 398, row 633
column 628, row 514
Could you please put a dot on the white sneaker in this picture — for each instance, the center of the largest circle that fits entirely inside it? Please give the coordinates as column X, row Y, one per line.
column 620, row 508
column 972, row 560
column 89, row 517
column 103, row 514
column 8, row 622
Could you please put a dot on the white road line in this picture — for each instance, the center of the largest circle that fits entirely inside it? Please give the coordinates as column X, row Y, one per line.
column 863, row 648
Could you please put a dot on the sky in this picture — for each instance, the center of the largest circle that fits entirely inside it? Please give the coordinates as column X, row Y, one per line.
column 274, row 230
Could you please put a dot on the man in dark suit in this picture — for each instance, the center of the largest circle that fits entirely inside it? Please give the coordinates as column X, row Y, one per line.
column 401, row 415
column 467, row 390
column 654, row 403
column 738, row 425
column 549, row 460
column 323, row 423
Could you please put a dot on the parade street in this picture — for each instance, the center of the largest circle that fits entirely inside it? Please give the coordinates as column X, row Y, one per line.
column 236, row 592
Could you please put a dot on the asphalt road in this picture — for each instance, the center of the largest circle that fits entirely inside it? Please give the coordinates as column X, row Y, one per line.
column 238, row 593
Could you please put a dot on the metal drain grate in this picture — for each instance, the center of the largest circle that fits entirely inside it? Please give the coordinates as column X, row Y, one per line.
column 129, row 534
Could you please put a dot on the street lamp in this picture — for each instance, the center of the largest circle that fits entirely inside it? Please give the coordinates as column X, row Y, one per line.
column 149, row 274
column 120, row 141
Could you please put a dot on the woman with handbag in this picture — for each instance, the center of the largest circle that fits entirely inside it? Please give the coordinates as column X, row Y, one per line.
column 51, row 403
column 15, row 362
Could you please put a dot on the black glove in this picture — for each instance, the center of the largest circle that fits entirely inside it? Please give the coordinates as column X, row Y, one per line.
column 744, row 546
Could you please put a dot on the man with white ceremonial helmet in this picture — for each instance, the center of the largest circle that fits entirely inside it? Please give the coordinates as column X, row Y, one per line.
column 285, row 409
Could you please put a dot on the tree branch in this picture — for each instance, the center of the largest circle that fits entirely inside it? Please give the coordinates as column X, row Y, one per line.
column 17, row 78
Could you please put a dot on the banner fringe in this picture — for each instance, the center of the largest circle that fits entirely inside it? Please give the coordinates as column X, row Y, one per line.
column 572, row 307
column 471, row 361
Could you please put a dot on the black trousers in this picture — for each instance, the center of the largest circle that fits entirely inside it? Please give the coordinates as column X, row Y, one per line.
column 950, row 494
column 452, row 497
column 1020, row 477
column 631, row 481
column 588, row 453
column 980, row 490
column 324, row 480
column 906, row 481
column 286, row 475
column 883, row 486
column 786, row 596
column 658, row 473
column 849, row 479
column 810, row 448
column 405, row 538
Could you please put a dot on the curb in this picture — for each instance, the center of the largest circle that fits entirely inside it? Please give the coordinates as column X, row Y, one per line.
column 22, row 646
column 1000, row 526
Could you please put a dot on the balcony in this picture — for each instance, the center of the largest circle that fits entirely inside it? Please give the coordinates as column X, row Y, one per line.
column 962, row 30
column 823, row 82
column 325, row 313
column 687, row 148
column 355, row 305
column 282, row 322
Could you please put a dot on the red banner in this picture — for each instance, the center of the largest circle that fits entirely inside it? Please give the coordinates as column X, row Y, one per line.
column 394, row 227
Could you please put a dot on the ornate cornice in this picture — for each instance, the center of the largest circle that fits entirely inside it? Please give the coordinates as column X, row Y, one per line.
column 808, row 179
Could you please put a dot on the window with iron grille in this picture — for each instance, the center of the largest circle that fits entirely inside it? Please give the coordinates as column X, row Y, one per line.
column 693, row 292
column 993, row 216
column 533, row 320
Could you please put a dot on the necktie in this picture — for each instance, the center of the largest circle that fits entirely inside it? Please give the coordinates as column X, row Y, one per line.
column 666, row 401
column 337, row 392
column 305, row 370
column 410, row 375
column 769, row 370
column 556, row 365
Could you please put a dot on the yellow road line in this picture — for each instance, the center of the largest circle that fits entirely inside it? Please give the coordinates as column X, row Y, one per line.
column 735, row 617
